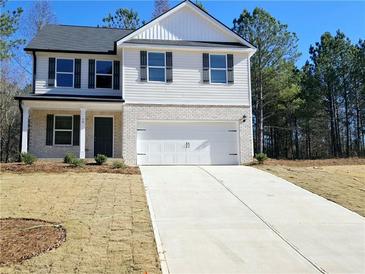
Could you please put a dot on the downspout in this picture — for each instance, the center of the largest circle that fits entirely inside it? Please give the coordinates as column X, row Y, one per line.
column 34, row 70
column 21, row 126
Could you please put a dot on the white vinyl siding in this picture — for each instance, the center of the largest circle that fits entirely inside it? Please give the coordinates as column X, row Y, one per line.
column 187, row 86
column 42, row 75
column 185, row 24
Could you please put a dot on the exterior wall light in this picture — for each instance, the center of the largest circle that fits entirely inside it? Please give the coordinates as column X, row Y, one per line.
column 243, row 119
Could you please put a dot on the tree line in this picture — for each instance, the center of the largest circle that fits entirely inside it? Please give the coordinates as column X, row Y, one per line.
column 316, row 111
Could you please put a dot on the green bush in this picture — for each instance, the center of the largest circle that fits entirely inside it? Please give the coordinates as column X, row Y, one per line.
column 28, row 158
column 261, row 157
column 100, row 159
column 119, row 164
column 69, row 157
column 77, row 162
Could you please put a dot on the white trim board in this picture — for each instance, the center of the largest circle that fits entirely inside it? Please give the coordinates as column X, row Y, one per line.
column 189, row 48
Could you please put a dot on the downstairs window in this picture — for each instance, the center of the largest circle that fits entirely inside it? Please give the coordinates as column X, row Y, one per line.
column 63, row 130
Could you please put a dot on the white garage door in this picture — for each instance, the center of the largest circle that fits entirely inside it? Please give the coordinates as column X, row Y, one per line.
column 187, row 143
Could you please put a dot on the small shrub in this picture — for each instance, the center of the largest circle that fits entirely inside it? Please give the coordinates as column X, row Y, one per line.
column 28, row 158
column 119, row 164
column 69, row 157
column 100, row 159
column 261, row 157
column 77, row 162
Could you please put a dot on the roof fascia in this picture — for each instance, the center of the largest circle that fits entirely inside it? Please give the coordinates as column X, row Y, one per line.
column 189, row 48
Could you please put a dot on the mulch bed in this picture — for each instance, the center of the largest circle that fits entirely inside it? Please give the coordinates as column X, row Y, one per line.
column 57, row 167
column 21, row 239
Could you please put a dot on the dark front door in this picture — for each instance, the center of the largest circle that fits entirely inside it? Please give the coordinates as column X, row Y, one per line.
column 103, row 136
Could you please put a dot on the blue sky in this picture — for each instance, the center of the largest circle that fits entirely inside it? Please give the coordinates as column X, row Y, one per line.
column 309, row 19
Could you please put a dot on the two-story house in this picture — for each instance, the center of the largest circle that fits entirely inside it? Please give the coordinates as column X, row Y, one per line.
column 175, row 91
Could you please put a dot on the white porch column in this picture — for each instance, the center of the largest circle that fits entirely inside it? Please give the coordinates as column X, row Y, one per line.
column 82, row 132
column 25, row 129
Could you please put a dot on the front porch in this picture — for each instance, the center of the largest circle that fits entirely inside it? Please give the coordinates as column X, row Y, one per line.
column 53, row 128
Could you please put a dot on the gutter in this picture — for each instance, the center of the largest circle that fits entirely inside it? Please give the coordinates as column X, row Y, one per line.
column 61, row 98
column 110, row 52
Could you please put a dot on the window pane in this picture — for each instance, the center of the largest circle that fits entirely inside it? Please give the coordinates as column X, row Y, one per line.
column 63, row 122
column 156, row 59
column 218, row 76
column 62, row 137
column 103, row 81
column 157, row 74
column 64, row 80
column 217, row 61
column 104, row 67
column 65, row 65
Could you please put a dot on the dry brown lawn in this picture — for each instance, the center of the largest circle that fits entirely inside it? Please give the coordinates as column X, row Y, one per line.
column 341, row 181
column 105, row 216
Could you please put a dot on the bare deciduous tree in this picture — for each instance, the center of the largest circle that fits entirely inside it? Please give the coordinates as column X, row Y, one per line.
column 160, row 7
column 9, row 116
column 39, row 15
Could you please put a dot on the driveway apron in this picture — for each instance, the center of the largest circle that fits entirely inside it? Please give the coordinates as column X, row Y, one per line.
column 236, row 219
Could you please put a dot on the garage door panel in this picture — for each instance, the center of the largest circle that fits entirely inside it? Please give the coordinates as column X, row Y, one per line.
column 176, row 143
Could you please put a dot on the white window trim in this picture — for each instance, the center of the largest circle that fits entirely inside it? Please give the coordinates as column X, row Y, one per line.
column 54, row 129
column 210, row 70
column 148, row 67
column 104, row 74
column 73, row 72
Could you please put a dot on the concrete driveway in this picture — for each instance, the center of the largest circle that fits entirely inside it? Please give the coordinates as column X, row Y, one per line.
column 236, row 219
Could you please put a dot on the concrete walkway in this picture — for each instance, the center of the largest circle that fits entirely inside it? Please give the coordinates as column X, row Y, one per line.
column 236, row 219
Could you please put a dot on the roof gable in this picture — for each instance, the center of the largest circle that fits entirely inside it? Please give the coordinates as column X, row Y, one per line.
column 187, row 22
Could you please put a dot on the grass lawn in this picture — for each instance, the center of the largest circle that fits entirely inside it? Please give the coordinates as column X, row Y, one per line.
column 341, row 181
column 105, row 216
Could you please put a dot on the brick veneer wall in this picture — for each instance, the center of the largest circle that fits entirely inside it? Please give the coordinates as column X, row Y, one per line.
column 37, row 134
column 134, row 112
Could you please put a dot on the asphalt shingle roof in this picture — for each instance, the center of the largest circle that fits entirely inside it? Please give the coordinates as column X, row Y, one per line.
column 76, row 38
column 101, row 40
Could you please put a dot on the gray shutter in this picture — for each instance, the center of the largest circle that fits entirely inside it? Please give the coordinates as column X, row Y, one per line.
column 91, row 73
column 51, row 71
column 77, row 82
column 143, row 67
column 205, row 67
column 49, row 130
column 116, row 75
column 76, row 131
column 169, row 67
column 230, row 68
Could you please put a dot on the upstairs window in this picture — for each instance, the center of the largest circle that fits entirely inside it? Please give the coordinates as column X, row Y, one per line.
column 218, row 69
column 156, row 67
column 63, row 130
column 104, row 74
column 64, row 72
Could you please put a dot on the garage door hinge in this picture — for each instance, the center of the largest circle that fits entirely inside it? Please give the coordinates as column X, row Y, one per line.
column 233, row 154
column 141, row 129
column 232, row 130
column 141, row 154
